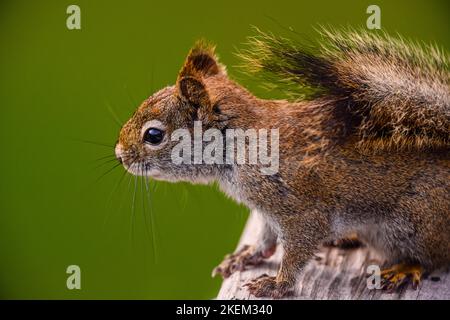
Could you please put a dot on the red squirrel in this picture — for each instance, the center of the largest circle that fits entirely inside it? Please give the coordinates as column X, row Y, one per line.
column 363, row 148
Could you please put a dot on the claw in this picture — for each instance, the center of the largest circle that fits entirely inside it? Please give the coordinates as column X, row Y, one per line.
column 267, row 286
column 244, row 257
column 399, row 275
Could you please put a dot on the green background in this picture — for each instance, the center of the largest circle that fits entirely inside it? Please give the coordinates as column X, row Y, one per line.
column 60, row 87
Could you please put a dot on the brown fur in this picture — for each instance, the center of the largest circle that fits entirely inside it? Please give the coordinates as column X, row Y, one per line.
column 397, row 201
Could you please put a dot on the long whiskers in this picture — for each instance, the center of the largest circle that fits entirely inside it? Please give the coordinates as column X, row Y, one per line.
column 105, row 162
column 144, row 212
column 109, row 156
column 133, row 208
column 114, row 116
column 102, row 144
column 140, row 186
column 113, row 192
column 152, row 218
column 107, row 172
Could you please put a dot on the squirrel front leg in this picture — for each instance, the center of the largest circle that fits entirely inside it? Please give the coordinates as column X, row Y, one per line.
column 301, row 236
column 249, row 255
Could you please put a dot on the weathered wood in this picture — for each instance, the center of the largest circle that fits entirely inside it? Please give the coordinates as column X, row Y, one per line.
column 333, row 274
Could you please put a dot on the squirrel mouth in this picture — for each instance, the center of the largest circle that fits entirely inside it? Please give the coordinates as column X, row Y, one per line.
column 142, row 170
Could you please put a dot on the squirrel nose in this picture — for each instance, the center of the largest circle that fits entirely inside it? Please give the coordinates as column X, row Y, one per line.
column 118, row 152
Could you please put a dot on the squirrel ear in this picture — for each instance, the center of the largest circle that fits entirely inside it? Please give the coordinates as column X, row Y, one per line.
column 202, row 61
column 193, row 90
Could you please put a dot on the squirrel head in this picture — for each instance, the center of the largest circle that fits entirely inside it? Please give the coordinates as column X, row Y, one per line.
column 145, row 145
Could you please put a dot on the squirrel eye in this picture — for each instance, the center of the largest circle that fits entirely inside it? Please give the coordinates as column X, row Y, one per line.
column 153, row 136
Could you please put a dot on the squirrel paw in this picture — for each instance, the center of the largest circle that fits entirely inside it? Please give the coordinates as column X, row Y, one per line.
column 400, row 274
column 266, row 286
column 246, row 256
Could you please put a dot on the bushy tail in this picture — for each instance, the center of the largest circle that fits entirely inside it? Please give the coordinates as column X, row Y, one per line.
column 398, row 92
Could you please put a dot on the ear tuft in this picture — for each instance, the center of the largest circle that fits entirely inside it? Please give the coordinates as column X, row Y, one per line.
column 201, row 61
